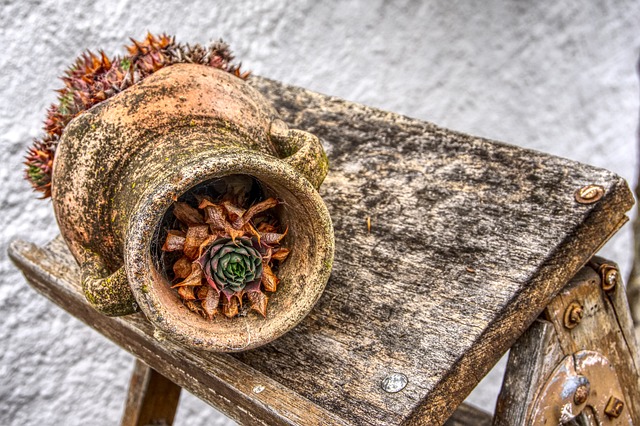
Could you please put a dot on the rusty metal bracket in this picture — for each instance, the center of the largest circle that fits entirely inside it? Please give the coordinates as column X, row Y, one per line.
column 578, row 364
column 584, row 379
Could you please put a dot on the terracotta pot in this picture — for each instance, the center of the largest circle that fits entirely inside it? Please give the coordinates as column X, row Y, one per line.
column 121, row 165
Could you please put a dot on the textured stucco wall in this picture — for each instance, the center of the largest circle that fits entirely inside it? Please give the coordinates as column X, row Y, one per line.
column 554, row 76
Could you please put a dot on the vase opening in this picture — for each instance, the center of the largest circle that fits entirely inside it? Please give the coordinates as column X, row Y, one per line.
column 300, row 277
column 244, row 190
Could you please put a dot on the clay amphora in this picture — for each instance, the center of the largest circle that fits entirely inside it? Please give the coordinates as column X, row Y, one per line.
column 121, row 165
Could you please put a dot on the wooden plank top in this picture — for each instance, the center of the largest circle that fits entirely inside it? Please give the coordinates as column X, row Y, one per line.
column 469, row 240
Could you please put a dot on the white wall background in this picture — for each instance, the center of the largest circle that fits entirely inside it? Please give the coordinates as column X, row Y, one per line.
column 554, row 76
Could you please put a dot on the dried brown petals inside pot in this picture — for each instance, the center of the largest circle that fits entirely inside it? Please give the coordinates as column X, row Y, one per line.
column 222, row 248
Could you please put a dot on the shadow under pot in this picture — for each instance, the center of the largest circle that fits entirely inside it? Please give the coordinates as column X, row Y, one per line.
column 184, row 134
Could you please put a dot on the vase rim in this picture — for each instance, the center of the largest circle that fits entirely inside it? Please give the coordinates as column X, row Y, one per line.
column 218, row 335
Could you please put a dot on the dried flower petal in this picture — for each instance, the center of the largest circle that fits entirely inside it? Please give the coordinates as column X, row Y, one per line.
column 202, row 292
column 234, row 233
column 210, row 303
column 196, row 235
column 258, row 301
column 175, row 241
column 259, row 208
column 187, row 214
column 182, row 267
column 266, row 227
column 281, row 254
column 230, row 307
column 186, row 293
column 206, row 243
column 249, row 229
column 204, row 201
column 235, row 214
column 214, row 215
column 269, row 279
column 272, row 237
column 194, row 278
column 193, row 307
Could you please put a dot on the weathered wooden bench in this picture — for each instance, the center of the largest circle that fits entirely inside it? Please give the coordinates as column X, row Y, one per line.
column 449, row 249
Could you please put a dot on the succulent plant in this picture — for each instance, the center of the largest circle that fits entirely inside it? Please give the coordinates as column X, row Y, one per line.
column 227, row 255
column 94, row 78
column 233, row 266
column 39, row 162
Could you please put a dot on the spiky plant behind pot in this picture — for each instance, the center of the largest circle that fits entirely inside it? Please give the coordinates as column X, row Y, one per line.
column 94, row 78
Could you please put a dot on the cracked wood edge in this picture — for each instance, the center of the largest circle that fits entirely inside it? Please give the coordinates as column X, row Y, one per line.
column 326, row 116
column 569, row 257
column 229, row 383
column 218, row 379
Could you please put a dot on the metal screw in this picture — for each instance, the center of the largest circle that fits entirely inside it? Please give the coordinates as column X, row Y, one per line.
column 573, row 315
column 589, row 194
column 581, row 394
column 610, row 277
column 258, row 389
column 614, row 407
column 394, row 382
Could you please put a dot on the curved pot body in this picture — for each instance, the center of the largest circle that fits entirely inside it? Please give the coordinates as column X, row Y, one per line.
column 121, row 165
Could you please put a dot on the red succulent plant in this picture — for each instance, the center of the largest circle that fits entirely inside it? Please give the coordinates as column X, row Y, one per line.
column 94, row 78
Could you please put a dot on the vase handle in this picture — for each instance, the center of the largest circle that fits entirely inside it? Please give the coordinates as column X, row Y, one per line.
column 302, row 150
column 107, row 293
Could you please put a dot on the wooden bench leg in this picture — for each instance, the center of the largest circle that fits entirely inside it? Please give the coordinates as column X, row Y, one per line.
column 578, row 363
column 152, row 399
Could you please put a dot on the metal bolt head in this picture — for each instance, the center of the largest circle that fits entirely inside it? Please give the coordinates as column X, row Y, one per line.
column 394, row 382
column 573, row 315
column 610, row 278
column 581, row 394
column 614, row 407
column 589, row 194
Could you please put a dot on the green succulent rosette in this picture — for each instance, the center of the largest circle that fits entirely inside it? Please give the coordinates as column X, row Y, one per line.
column 233, row 266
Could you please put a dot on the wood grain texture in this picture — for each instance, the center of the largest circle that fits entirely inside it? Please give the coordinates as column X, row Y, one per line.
column 469, row 241
column 218, row 379
column 606, row 327
column 152, row 399
column 242, row 393
column 531, row 360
